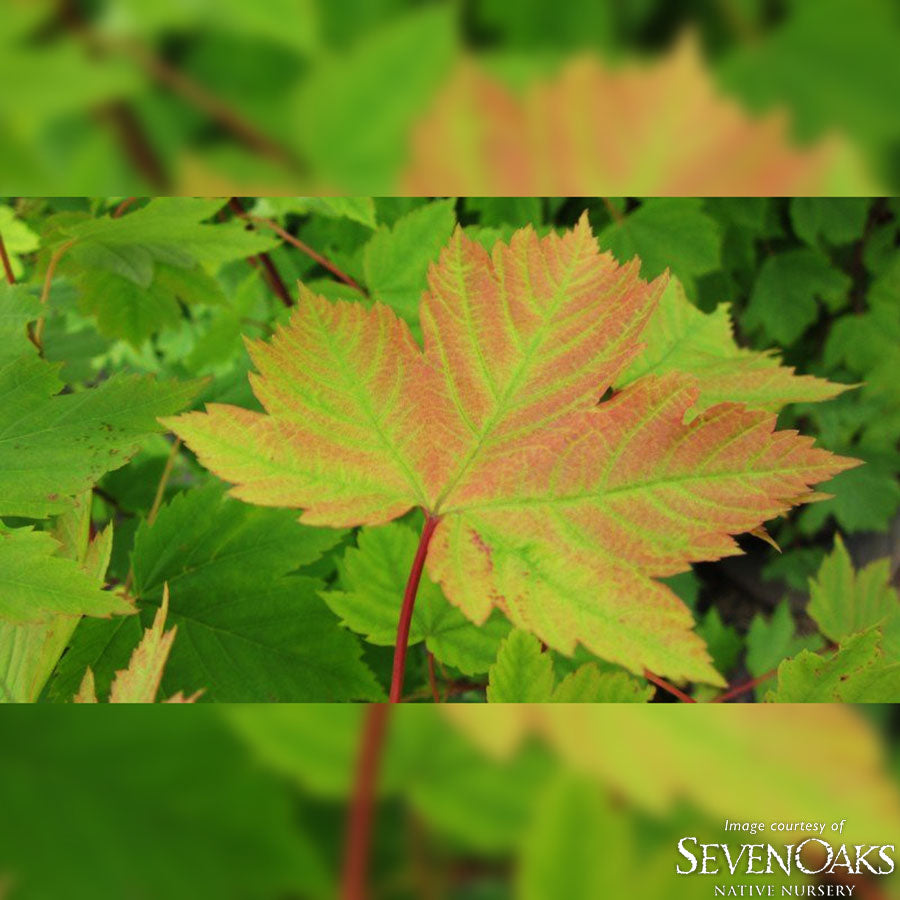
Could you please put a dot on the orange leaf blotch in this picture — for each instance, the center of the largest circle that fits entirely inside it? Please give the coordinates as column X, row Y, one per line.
column 523, row 337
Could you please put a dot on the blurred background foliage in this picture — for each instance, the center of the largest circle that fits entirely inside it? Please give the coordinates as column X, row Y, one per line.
column 815, row 280
column 301, row 96
column 255, row 801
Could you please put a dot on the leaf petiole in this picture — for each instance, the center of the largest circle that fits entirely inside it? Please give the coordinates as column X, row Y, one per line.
column 406, row 610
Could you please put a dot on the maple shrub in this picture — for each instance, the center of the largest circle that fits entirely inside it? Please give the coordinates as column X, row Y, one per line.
column 509, row 443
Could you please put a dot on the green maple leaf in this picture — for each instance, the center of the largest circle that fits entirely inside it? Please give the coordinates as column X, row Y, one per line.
column 247, row 628
column 844, row 602
column 36, row 584
column 769, row 642
column 561, row 511
column 784, row 302
column 132, row 271
column 397, row 258
column 53, row 446
column 858, row 672
column 667, row 233
column 523, row 673
column 373, row 575
column 69, row 569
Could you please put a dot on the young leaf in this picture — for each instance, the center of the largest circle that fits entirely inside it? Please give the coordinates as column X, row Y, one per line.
column 588, row 684
column 858, row 672
column 557, row 509
column 373, row 575
column 522, row 673
column 36, row 584
column 769, row 642
column 56, row 445
column 844, row 602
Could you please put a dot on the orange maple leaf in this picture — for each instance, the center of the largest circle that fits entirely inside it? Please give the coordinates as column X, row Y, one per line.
column 541, row 500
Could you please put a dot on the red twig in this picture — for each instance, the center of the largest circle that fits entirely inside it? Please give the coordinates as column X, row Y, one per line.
column 674, row 691
column 358, row 841
column 7, row 266
column 743, row 688
column 270, row 270
column 406, row 610
column 312, row 254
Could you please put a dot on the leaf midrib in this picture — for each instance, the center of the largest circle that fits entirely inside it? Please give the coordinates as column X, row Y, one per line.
column 524, row 365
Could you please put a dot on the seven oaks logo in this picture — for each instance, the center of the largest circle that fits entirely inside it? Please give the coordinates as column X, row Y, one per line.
column 808, row 855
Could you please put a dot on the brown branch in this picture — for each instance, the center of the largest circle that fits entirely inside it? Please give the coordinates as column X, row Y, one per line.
column 203, row 99
column 136, row 144
column 743, row 688
column 617, row 217
column 270, row 270
column 123, row 206
column 674, row 691
column 58, row 253
column 312, row 254
column 7, row 265
column 358, row 840
column 158, row 498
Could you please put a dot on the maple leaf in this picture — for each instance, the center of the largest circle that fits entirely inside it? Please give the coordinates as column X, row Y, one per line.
column 540, row 500
column 844, row 602
column 662, row 128
column 858, row 672
column 55, row 598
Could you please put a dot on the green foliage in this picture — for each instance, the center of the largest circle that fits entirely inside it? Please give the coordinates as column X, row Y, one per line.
column 141, row 305
column 150, row 802
column 844, row 602
column 58, row 444
column 771, row 640
column 249, row 631
column 524, row 673
column 372, row 576
column 667, row 233
column 859, row 671
column 397, row 258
